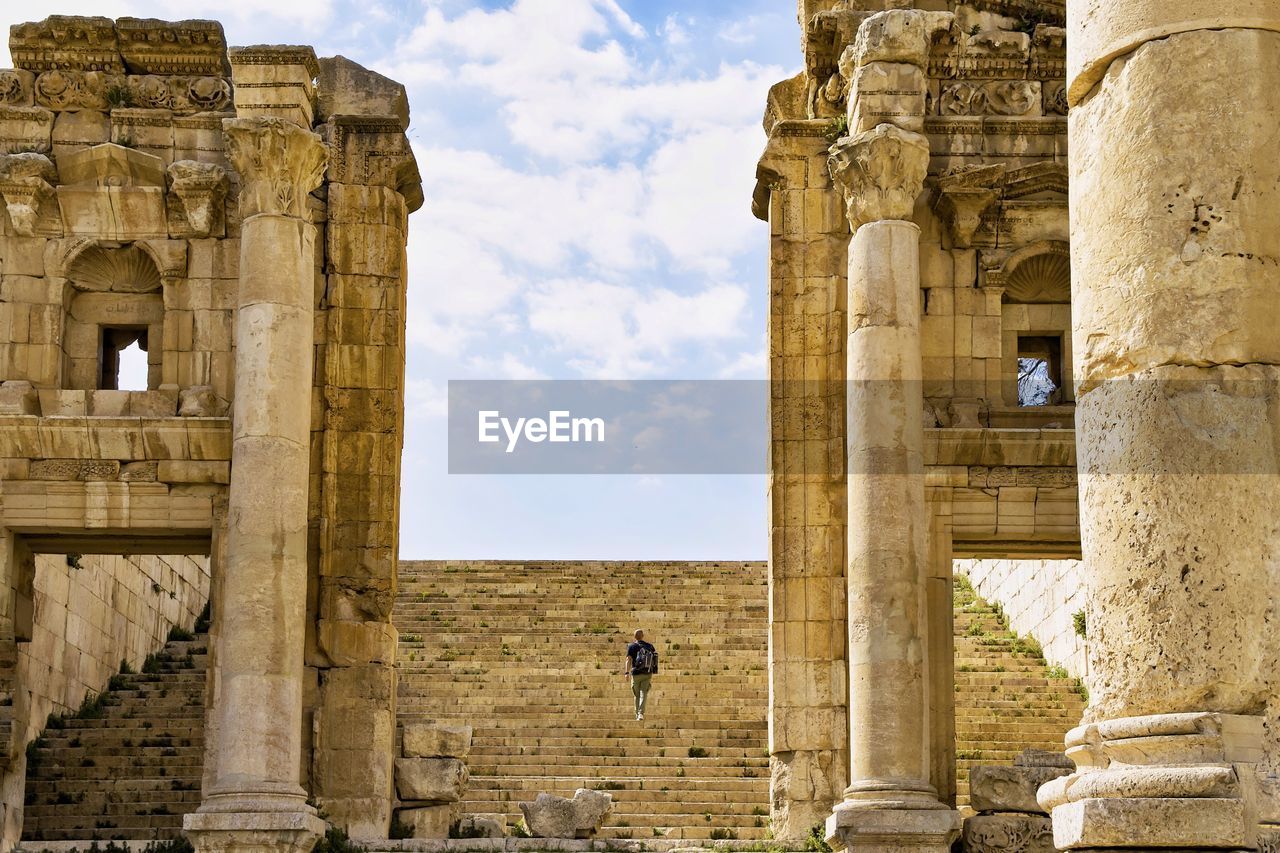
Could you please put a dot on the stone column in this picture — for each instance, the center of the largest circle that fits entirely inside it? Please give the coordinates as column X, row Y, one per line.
column 1175, row 232
column 256, row 803
column 889, row 804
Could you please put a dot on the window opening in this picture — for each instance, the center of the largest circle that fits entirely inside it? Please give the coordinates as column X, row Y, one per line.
column 124, row 359
column 1039, row 370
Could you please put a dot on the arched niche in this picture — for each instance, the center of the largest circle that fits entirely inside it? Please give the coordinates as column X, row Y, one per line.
column 1036, row 324
column 115, row 299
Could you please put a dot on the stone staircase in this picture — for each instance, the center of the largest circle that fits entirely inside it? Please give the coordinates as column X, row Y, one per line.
column 127, row 766
column 530, row 655
column 1007, row 699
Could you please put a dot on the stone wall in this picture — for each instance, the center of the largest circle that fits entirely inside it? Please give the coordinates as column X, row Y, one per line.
column 87, row 620
column 1040, row 598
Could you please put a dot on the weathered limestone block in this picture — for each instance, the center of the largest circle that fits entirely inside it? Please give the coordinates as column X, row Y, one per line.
column 18, row 397
column 275, row 81
column 26, row 189
column 430, row 822
column 887, row 92
column 482, row 826
column 431, row 780
column 200, row 401
column 347, row 88
column 897, row 35
column 348, row 643
column 1008, row 833
column 73, row 131
column 549, row 816
column 26, row 129
column 353, row 769
column 1010, row 789
column 428, row 740
column 111, row 165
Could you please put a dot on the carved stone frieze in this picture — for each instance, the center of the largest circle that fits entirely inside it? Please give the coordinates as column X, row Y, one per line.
column 15, row 87
column 279, row 164
column 66, row 42
column 881, row 172
column 75, row 90
column 999, row 98
column 1008, row 833
column 25, row 185
column 196, row 195
column 181, row 94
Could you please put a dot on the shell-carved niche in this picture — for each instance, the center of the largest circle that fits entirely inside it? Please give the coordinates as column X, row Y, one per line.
column 1038, row 275
column 119, row 270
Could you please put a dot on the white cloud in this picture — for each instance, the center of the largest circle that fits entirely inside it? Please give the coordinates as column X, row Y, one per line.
column 609, row 331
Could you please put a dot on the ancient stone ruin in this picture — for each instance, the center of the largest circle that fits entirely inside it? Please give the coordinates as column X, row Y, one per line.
column 239, row 215
column 962, row 369
column 952, row 348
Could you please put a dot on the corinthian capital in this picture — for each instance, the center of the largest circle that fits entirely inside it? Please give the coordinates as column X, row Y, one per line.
column 881, row 172
column 279, row 163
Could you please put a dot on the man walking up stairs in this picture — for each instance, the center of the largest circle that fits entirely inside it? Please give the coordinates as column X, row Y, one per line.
column 640, row 666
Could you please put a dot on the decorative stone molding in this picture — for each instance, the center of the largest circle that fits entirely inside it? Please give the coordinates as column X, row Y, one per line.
column 962, row 196
column 25, row 185
column 66, row 42
column 279, row 164
column 150, row 46
column 881, row 172
column 1037, row 273
column 374, row 151
column 196, row 194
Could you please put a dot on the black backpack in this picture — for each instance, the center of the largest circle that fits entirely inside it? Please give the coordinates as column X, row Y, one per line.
column 646, row 660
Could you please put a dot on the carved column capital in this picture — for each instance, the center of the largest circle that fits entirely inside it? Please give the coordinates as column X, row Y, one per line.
column 279, row 164
column 880, row 172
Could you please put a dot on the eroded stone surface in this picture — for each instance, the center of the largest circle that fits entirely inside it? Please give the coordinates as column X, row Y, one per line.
column 549, row 816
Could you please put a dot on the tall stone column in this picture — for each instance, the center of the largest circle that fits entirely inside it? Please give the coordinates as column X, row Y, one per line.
column 256, row 802
column 889, row 804
column 1175, row 232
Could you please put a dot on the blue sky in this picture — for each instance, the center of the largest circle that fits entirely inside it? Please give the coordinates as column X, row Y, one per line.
column 587, row 167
